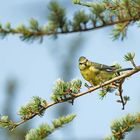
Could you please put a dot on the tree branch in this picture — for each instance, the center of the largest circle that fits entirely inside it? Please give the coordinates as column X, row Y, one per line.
column 41, row 33
column 123, row 76
column 121, row 127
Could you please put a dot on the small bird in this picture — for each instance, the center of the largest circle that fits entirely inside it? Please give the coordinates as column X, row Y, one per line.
column 96, row 73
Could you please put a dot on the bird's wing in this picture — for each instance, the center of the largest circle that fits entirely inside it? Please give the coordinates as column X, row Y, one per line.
column 103, row 67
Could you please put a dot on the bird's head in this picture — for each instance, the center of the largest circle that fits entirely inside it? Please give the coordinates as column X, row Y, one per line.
column 82, row 62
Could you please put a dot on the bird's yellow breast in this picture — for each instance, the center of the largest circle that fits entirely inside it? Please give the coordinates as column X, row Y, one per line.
column 90, row 75
column 95, row 76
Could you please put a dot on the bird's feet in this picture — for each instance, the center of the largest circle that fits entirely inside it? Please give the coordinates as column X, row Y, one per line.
column 88, row 86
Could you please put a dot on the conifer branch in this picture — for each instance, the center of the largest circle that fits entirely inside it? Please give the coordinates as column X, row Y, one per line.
column 28, row 35
column 102, row 14
column 45, row 129
column 123, row 76
column 123, row 99
column 121, row 127
column 120, row 94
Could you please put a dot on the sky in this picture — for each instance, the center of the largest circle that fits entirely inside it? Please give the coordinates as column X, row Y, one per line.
column 36, row 69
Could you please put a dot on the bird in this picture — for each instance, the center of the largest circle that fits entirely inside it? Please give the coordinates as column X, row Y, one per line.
column 96, row 73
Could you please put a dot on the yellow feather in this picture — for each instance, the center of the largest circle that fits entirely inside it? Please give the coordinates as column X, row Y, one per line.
column 93, row 75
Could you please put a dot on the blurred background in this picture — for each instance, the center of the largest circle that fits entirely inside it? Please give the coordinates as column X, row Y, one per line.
column 30, row 69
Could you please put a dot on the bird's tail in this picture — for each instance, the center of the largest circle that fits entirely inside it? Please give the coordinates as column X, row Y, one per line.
column 124, row 69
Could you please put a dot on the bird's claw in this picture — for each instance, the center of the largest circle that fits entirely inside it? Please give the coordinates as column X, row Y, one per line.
column 87, row 86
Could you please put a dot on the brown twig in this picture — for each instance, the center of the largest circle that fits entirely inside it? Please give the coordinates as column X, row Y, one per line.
column 123, row 76
column 120, row 90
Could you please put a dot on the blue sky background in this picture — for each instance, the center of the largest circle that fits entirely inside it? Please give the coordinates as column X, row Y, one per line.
column 36, row 69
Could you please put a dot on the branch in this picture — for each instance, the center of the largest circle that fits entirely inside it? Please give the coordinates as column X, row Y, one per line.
column 45, row 129
column 123, row 76
column 121, row 127
column 102, row 14
column 123, row 99
column 41, row 32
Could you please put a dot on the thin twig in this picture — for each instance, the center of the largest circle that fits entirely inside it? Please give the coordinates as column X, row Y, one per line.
column 120, row 93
